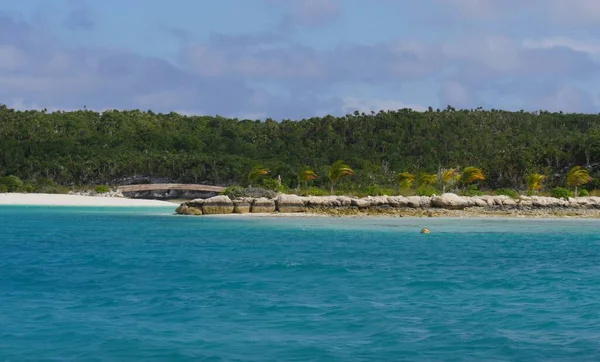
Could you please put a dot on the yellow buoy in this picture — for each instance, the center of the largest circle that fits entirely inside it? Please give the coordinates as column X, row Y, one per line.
column 424, row 231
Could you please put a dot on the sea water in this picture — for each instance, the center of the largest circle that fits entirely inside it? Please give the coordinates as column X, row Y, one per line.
column 127, row 284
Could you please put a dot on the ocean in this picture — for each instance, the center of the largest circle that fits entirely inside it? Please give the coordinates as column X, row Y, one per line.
column 141, row 284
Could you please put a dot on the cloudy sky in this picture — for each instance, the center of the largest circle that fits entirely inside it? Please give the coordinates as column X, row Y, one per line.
column 300, row 58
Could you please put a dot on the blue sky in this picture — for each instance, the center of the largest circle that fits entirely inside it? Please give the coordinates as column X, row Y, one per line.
column 291, row 59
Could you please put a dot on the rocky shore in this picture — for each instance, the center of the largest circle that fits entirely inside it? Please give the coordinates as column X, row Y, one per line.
column 446, row 205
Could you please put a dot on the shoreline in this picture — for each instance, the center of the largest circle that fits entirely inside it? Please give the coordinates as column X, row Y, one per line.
column 447, row 205
column 21, row 199
column 425, row 214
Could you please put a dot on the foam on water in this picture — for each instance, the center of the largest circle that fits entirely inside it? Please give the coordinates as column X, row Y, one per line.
column 112, row 284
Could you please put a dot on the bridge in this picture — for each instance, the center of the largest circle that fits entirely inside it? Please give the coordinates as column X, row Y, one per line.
column 164, row 187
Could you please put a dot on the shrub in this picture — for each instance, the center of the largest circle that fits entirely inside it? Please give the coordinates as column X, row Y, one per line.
column 471, row 191
column 234, row 191
column 3, row 189
column 508, row 192
column 315, row 191
column 272, row 184
column 584, row 193
column 12, row 183
column 47, row 186
column 561, row 192
column 101, row 189
column 27, row 188
column 426, row 191
column 375, row 190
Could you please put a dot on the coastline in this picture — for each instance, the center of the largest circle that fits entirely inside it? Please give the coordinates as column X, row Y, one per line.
column 20, row 199
column 445, row 206
column 474, row 213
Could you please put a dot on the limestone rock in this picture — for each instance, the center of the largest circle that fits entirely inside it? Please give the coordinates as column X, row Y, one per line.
column 241, row 206
column 397, row 201
column 263, row 205
column 289, row 203
column 328, row 201
column 184, row 209
column 217, row 205
column 450, row 201
column 360, row 203
column 378, row 200
column 510, row 203
column 197, row 203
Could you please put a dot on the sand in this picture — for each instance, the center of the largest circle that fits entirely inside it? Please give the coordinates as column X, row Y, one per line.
column 75, row 200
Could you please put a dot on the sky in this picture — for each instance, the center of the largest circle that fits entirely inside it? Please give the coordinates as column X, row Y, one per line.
column 294, row 59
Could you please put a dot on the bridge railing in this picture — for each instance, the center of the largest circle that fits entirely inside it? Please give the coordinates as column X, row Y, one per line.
column 155, row 187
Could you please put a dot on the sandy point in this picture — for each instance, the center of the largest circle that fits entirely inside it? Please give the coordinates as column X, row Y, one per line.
column 75, row 200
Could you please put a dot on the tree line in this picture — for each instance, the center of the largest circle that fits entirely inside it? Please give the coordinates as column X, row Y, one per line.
column 86, row 147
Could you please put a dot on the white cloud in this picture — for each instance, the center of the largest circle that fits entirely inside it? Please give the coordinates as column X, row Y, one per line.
column 589, row 47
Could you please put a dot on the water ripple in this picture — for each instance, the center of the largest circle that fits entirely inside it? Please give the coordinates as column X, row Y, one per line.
column 111, row 286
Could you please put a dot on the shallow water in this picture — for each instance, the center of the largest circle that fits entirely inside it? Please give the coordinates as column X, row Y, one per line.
column 112, row 284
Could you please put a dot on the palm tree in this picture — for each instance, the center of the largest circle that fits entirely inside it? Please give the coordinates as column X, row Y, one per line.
column 471, row 174
column 337, row 171
column 427, row 179
column 405, row 180
column 306, row 175
column 577, row 176
column 256, row 173
column 448, row 178
column 534, row 181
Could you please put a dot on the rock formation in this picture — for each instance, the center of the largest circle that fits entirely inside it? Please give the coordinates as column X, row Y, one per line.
column 343, row 205
column 262, row 205
column 217, row 205
column 289, row 203
column 241, row 206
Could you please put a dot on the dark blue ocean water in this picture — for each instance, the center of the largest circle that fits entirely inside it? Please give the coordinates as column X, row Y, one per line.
column 85, row 284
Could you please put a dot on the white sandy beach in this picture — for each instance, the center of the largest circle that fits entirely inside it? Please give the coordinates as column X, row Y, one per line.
column 75, row 200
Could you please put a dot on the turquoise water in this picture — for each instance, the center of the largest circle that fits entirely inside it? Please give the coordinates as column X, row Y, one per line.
column 122, row 284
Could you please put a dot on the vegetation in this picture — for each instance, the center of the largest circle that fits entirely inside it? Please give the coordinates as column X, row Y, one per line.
column 101, row 189
column 43, row 185
column 534, row 182
column 561, row 192
column 508, row 192
column 305, row 176
column 448, row 178
column 406, row 180
column 12, row 183
column 385, row 149
column 471, row 174
column 577, row 177
column 337, row 171
column 256, row 174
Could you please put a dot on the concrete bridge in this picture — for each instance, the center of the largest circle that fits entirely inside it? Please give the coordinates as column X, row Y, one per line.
column 170, row 191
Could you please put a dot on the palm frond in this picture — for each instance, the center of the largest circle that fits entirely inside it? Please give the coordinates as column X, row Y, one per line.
column 578, row 176
column 339, row 170
column 405, row 179
column 472, row 174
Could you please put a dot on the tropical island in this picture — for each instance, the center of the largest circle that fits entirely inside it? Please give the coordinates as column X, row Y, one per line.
column 471, row 153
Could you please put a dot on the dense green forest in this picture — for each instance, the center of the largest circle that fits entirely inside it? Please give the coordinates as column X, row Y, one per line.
column 86, row 147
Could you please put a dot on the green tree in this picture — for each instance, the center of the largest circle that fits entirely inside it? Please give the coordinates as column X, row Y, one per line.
column 534, row 181
column 470, row 175
column 405, row 180
column 337, row 171
column 576, row 177
column 256, row 174
column 305, row 176
column 426, row 179
column 448, row 178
